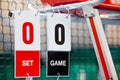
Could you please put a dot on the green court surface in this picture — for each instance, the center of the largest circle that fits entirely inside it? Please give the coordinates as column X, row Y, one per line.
column 82, row 63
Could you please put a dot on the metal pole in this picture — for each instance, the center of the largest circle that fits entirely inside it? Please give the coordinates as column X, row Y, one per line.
column 100, row 43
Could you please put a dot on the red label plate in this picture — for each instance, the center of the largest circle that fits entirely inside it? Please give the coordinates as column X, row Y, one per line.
column 27, row 63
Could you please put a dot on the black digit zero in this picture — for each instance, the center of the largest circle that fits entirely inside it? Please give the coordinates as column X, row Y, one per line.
column 59, row 34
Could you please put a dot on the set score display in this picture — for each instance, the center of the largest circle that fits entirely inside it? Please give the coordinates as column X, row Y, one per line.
column 27, row 44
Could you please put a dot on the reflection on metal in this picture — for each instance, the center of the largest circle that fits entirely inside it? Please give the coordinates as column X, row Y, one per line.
column 100, row 76
column 110, row 16
column 82, row 75
column 58, row 76
column 29, row 78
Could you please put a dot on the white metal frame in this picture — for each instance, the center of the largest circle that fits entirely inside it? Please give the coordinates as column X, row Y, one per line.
column 72, row 6
column 100, row 43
